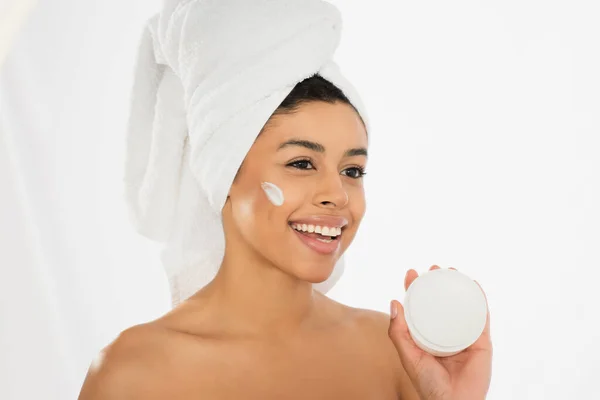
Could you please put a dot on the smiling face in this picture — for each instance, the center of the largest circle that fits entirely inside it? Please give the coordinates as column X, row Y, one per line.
column 316, row 156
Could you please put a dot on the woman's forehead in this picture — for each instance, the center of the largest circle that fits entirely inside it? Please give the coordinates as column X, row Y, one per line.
column 334, row 125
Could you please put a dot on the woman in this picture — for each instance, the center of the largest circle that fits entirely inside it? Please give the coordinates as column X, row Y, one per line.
column 259, row 329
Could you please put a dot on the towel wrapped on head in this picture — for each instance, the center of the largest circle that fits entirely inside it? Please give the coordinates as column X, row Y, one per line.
column 209, row 75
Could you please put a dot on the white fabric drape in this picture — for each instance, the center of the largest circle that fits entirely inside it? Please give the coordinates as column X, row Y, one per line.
column 63, row 105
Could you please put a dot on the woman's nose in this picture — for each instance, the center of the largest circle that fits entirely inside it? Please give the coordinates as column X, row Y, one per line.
column 331, row 192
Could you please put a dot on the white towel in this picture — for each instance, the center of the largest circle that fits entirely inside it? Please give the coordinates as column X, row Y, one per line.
column 209, row 75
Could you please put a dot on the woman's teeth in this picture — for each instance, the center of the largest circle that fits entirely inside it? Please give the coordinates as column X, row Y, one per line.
column 323, row 230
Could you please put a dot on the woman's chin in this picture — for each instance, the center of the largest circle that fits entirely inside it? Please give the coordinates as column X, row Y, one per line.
column 313, row 271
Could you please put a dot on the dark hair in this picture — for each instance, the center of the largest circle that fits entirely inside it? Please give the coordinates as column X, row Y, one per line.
column 313, row 88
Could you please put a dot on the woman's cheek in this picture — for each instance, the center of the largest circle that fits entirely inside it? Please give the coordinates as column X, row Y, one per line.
column 357, row 204
column 246, row 211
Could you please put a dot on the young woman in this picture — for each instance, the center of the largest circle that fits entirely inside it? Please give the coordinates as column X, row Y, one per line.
column 259, row 330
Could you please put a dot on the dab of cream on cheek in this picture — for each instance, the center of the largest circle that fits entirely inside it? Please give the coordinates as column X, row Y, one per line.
column 273, row 192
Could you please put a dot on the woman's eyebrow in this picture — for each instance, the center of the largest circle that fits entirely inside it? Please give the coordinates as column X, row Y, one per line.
column 303, row 143
column 360, row 151
column 318, row 147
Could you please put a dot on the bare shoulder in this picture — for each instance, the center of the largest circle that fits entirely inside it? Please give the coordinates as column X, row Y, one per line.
column 372, row 324
column 375, row 322
column 124, row 368
column 375, row 325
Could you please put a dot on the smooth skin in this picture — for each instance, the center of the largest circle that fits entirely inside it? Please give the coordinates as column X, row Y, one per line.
column 260, row 330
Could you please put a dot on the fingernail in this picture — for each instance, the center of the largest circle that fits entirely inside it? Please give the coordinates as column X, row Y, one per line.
column 393, row 310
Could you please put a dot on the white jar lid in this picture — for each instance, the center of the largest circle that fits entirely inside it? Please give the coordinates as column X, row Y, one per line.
column 445, row 311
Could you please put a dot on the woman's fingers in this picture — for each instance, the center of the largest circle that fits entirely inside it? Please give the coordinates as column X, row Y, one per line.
column 411, row 275
column 410, row 354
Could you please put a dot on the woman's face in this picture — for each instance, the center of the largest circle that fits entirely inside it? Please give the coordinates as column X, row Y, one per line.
column 316, row 156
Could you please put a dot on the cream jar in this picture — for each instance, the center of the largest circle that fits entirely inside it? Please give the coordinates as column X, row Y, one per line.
column 445, row 311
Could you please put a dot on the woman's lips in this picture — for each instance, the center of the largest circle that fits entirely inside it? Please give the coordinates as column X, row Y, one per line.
column 336, row 221
column 317, row 245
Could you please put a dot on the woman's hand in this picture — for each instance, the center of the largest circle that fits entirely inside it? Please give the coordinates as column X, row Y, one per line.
column 463, row 376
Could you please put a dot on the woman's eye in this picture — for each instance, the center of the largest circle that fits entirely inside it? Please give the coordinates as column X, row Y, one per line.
column 301, row 164
column 354, row 172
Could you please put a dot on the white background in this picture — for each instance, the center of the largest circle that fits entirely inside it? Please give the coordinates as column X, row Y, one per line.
column 484, row 156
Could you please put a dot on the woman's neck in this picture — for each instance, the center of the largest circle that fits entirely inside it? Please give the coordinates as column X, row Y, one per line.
column 252, row 296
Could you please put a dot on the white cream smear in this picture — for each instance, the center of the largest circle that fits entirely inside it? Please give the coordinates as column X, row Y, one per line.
column 274, row 194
